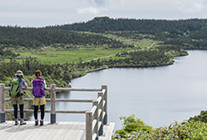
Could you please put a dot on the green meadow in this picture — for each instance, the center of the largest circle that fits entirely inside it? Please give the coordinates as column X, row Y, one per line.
column 70, row 56
column 57, row 55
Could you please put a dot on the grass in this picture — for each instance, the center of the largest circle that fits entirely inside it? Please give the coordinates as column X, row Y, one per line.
column 144, row 43
column 72, row 56
column 141, row 43
column 84, row 53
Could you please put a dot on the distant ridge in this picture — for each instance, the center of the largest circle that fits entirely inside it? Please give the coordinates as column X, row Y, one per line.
column 102, row 24
column 190, row 33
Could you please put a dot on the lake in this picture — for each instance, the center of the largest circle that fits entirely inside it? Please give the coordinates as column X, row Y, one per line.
column 158, row 96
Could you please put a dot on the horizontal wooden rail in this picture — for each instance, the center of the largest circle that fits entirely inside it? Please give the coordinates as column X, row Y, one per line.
column 74, row 100
column 59, row 100
column 73, row 112
column 76, row 89
column 49, row 111
column 62, row 89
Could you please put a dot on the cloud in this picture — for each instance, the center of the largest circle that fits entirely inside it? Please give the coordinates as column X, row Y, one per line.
column 89, row 10
column 195, row 7
column 48, row 12
column 100, row 2
column 93, row 7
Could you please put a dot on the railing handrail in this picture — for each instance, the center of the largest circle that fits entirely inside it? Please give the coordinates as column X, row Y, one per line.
column 58, row 100
column 95, row 118
column 62, row 89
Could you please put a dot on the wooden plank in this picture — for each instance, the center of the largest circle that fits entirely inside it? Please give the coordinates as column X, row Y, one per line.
column 67, row 131
column 82, row 132
column 75, row 89
column 73, row 112
column 64, row 130
column 52, row 131
column 73, row 100
column 77, row 132
column 38, row 133
column 70, row 132
column 59, row 131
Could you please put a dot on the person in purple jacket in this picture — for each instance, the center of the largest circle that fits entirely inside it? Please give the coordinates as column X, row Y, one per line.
column 38, row 92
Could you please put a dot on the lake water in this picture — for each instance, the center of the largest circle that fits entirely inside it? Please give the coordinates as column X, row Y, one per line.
column 156, row 95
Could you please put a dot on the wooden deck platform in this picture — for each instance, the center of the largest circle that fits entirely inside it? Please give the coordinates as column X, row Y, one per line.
column 59, row 131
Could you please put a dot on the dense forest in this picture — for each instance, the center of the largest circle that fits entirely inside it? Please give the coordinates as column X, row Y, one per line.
column 40, row 37
column 189, row 34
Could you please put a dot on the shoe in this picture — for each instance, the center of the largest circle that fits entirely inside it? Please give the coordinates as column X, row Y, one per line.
column 41, row 123
column 16, row 122
column 36, row 123
column 22, row 123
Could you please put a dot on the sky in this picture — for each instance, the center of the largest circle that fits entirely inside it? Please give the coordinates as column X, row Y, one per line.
column 40, row 13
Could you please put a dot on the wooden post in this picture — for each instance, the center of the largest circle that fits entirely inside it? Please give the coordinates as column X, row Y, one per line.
column 2, row 106
column 89, row 132
column 100, row 108
column 105, row 119
column 95, row 103
column 53, row 98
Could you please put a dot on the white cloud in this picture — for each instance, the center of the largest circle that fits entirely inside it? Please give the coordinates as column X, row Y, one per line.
column 195, row 7
column 93, row 7
column 89, row 10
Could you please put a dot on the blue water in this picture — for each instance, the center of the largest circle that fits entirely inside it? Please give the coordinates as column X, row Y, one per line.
column 159, row 96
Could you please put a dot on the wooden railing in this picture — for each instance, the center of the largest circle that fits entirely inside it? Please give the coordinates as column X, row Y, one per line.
column 95, row 118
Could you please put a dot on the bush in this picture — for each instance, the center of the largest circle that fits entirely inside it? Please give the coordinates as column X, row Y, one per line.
column 134, row 129
column 130, row 125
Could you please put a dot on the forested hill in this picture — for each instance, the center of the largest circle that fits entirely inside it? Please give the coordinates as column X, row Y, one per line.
column 187, row 34
column 40, row 37
column 102, row 24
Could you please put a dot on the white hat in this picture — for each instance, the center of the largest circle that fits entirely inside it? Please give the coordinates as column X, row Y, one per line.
column 19, row 72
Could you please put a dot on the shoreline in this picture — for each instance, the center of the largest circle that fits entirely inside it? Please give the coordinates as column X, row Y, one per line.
column 130, row 66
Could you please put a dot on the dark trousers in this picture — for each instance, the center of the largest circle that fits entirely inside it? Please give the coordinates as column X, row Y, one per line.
column 42, row 109
column 16, row 111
